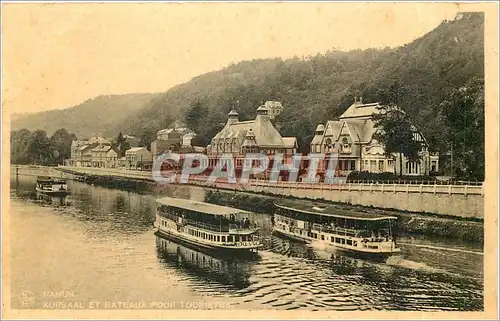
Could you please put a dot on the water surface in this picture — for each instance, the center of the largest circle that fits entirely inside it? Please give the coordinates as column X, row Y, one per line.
column 98, row 244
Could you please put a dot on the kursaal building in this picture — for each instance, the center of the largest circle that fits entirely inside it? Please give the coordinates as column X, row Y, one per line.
column 352, row 137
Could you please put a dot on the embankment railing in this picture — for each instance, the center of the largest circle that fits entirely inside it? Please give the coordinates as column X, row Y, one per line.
column 472, row 188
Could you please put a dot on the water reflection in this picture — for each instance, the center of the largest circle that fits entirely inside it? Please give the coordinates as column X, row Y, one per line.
column 55, row 201
column 231, row 272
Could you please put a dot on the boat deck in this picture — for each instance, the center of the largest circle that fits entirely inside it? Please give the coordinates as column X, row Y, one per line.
column 329, row 210
column 199, row 207
column 50, row 180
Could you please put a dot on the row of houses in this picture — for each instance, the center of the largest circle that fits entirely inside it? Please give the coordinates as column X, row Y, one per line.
column 98, row 152
column 351, row 137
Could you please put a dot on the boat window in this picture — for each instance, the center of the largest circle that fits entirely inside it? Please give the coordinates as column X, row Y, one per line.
column 349, row 242
column 230, row 238
column 322, row 237
column 355, row 243
column 223, row 238
column 337, row 240
column 342, row 241
column 332, row 239
column 218, row 238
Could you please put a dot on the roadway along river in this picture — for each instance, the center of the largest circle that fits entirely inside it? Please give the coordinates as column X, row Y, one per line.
column 98, row 245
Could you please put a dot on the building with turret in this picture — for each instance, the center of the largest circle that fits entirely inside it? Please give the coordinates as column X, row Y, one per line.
column 251, row 136
column 352, row 137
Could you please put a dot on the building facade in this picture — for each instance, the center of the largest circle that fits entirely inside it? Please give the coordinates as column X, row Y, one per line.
column 136, row 156
column 174, row 137
column 111, row 159
column 274, row 108
column 99, row 155
column 254, row 136
column 352, row 137
column 91, row 152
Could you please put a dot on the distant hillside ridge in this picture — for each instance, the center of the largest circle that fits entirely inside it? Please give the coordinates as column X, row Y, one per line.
column 102, row 114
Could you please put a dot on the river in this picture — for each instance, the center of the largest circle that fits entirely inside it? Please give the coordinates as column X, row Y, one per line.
column 98, row 245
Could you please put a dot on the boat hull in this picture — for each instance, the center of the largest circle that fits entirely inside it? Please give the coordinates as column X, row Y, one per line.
column 207, row 248
column 52, row 193
column 328, row 246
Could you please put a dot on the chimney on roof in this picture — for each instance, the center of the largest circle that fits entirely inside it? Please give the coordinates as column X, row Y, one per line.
column 360, row 99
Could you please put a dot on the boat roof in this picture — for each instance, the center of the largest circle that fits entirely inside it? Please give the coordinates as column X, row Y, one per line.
column 50, row 179
column 200, row 207
column 329, row 210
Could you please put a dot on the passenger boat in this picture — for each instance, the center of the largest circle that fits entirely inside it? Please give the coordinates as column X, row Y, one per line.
column 322, row 225
column 206, row 225
column 51, row 186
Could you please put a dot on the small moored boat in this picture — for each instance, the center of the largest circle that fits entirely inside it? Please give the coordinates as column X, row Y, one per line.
column 51, row 186
column 323, row 225
column 206, row 225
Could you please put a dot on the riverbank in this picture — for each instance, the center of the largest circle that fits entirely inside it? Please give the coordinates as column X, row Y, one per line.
column 407, row 223
column 470, row 230
column 464, row 201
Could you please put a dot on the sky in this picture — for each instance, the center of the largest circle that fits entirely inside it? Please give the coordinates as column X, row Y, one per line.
column 59, row 55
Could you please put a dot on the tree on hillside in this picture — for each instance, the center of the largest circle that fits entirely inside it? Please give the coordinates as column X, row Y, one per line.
column 61, row 142
column 123, row 147
column 302, row 130
column 147, row 137
column 119, row 139
column 463, row 115
column 196, row 115
column 394, row 131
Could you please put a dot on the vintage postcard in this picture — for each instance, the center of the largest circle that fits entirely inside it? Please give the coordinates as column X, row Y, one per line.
column 285, row 160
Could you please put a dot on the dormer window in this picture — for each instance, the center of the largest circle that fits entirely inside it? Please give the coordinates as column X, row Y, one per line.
column 345, row 146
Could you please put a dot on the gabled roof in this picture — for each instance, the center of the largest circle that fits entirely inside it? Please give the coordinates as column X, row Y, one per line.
column 85, row 147
column 265, row 133
column 370, row 130
column 290, row 142
column 356, row 129
column 101, row 148
column 360, row 110
column 135, row 149
column 332, row 127
column 317, row 139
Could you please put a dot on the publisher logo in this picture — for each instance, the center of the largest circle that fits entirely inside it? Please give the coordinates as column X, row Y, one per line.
column 27, row 299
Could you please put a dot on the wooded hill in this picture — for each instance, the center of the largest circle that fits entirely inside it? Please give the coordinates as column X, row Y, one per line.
column 102, row 115
column 318, row 88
